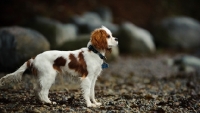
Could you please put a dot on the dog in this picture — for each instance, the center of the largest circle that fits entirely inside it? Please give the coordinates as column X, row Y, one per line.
column 86, row 63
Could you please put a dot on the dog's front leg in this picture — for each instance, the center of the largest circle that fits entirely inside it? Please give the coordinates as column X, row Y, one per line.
column 92, row 92
column 86, row 86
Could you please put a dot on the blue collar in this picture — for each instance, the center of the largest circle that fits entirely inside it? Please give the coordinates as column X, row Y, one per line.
column 91, row 48
column 104, row 65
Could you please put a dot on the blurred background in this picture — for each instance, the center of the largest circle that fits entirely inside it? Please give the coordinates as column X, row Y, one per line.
column 141, row 12
column 142, row 26
column 155, row 68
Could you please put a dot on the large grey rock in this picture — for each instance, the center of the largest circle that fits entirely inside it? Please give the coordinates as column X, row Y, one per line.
column 133, row 39
column 56, row 32
column 178, row 32
column 18, row 45
column 89, row 21
column 81, row 41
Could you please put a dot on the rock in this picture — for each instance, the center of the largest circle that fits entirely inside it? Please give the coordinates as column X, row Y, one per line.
column 112, row 27
column 133, row 39
column 187, row 60
column 87, row 22
column 179, row 33
column 81, row 41
column 65, row 33
column 90, row 21
column 187, row 63
column 56, row 32
column 18, row 45
column 36, row 111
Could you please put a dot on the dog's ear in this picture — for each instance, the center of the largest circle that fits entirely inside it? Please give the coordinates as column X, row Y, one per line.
column 99, row 39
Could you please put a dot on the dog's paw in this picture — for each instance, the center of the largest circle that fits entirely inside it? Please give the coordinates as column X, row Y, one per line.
column 98, row 103
column 91, row 105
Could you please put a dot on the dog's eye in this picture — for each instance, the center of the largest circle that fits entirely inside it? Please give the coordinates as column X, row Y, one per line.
column 108, row 36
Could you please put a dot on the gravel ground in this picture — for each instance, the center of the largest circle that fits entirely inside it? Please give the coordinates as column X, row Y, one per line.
column 140, row 84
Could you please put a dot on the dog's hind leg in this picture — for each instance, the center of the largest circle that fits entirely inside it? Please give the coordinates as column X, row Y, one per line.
column 45, row 82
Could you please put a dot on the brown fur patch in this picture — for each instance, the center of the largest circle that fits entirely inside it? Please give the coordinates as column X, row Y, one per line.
column 34, row 71
column 60, row 61
column 31, row 67
column 78, row 65
column 99, row 39
column 28, row 64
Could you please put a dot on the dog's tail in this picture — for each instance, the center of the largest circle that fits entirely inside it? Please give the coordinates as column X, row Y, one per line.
column 17, row 75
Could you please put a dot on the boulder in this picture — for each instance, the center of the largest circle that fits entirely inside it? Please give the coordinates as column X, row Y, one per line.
column 133, row 39
column 17, row 45
column 56, row 32
column 89, row 21
column 178, row 33
column 80, row 42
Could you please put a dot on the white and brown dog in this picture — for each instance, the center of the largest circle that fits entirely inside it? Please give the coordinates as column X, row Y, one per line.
column 86, row 63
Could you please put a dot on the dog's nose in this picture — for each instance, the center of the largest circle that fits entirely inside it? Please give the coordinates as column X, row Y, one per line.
column 116, row 39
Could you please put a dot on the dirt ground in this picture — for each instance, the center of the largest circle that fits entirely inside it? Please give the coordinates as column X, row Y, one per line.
column 130, row 84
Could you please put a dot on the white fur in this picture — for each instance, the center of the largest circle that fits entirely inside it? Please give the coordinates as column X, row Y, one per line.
column 46, row 73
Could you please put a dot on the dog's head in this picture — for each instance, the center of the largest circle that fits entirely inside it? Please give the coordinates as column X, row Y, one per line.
column 102, row 39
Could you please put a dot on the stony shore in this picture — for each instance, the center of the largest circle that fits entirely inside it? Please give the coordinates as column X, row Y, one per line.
column 139, row 84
